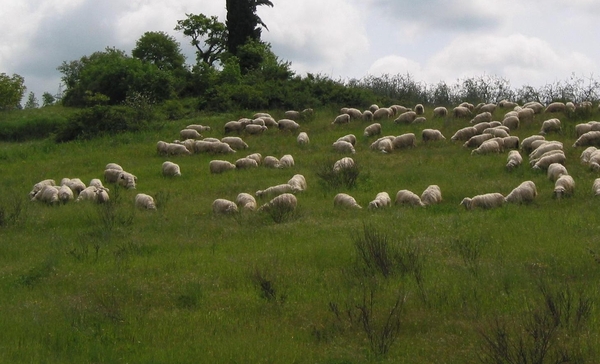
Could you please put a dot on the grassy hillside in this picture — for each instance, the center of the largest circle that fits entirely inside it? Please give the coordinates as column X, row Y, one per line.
column 109, row 283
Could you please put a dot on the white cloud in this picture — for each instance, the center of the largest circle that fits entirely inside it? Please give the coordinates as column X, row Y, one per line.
column 393, row 65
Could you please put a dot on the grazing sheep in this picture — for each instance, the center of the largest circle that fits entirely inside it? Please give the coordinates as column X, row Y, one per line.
column 511, row 142
column 47, row 194
column 407, row 140
column 341, row 119
column 546, row 146
column 375, row 144
column 384, row 145
column 482, row 118
column 113, row 166
column 287, row 124
column 287, row 161
column 90, row 193
column 292, row 114
column 177, row 149
column 345, row 200
column 342, row 146
column 464, row 134
column 596, row 187
column 219, row 166
column 65, row 194
column 485, row 201
column 419, row 120
column 275, row 190
column 487, row 147
column 350, row 138
column 431, row 195
column 440, row 112
column 246, row 201
column 461, row 112
column 344, row 163
column 523, row 193
column 75, row 184
column 487, row 108
column 373, row 108
column 497, row 132
column 256, row 156
column 284, row 202
column 594, row 161
column 270, row 122
column 556, row 170
column 223, row 206
column 526, row 144
column 525, row 115
column 189, row 134
column 298, row 183
column 419, row 109
column 564, row 186
column 236, row 126
column 219, row 147
column 550, row 125
column 38, row 187
column 96, row 182
column 354, row 113
column 161, row 147
column 406, row 197
column 513, row 160
column 127, row 180
column 406, row 117
column 555, row 107
column 512, row 122
column 381, row 200
column 271, row 162
column 302, row 138
column 505, row 104
column 112, row 175
column 383, row 113
column 367, row 115
column 199, row 128
column 545, row 161
column 254, row 129
column 373, row 129
column 537, row 107
column 468, row 105
column 586, row 154
column 170, row 169
column 582, row 128
column 235, row 142
column 429, row 135
column 476, row 140
column 144, row 202
column 588, row 139
column 245, row 162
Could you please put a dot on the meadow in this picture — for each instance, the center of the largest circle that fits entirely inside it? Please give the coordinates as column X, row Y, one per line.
column 82, row 283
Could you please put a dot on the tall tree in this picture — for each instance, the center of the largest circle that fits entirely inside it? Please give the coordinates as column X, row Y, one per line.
column 160, row 49
column 12, row 90
column 243, row 24
column 209, row 36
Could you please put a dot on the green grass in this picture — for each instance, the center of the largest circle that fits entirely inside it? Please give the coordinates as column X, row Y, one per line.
column 86, row 283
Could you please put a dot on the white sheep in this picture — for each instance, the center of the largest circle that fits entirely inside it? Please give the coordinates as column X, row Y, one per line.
column 342, row 164
column 161, row 147
column 292, row 114
column 497, row 132
column 485, row 201
column 354, row 113
column 487, row 108
column 384, row 145
column 367, row 115
column 513, row 160
column 461, row 112
column 431, row 195
column 407, row 140
column 298, row 183
column 223, row 206
column 189, row 134
column 234, row 125
column 537, row 107
column 234, row 142
column 550, row 125
column 144, row 201
column 302, row 138
column 199, row 128
column 287, row 161
column 177, row 149
column 342, row 146
column 350, row 138
column 419, row 109
column 254, row 129
column 38, row 187
column 544, row 147
column 275, row 190
column 512, row 122
column 47, row 194
column 92, row 193
column 96, row 182
column 373, row 129
column 527, row 143
column 75, row 184
column 555, row 170
column 283, row 202
column 341, row 119
column 480, row 127
column 170, row 169
column 555, row 107
column 587, row 139
column 383, row 113
column 564, row 186
column 127, row 180
column 381, row 200
column 440, row 112
column 217, row 166
column 65, row 194
column 465, row 133
column 556, row 156
column 245, row 162
column 487, row 147
column 219, row 147
column 256, row 156
column 505, row 104
column 261, row 115
column 510, row 142
column 432, row 135
column 375, row 107
column 526, row 115
column 246, row 201
column 345, row 200
column 594, row 161
column 586, row 154
column 406, row 117
column 271, row 162
column 481, row 118
column 476, row 140
column 112, row 175
column 406, row 197
column 287, row 124
column 596, row 187
column 270, row 122
column 523, row 193
column 419, row 120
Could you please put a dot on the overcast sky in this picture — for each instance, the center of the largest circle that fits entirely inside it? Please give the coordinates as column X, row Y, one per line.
column 527, row 42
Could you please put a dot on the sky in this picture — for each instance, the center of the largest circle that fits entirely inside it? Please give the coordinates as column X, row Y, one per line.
column 526, row 42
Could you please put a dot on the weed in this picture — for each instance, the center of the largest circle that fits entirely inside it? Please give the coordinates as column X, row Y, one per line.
column 11, row 210
column 266, row 286
column 37, row 273
column 470, row 252
column 334, row 180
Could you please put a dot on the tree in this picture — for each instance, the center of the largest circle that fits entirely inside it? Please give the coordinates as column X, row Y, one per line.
column 243, row 23
column 209, row 36
column 12, row 90
column 48, row 99
column 32, row 102
column 160, row 49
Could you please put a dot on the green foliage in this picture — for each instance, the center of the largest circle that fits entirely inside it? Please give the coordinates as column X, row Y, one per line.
column 160, row 49
column 31, row 124
column 208, row 34
column 12, row 89
column 48, row 99
column 32, row 102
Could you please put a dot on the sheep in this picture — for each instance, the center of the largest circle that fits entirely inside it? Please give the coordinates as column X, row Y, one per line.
column 525, row 115
column 75, row 184
column 512, row 122
column 223, row 206
column 219, row 147
column 487, row 108
column 485, row 201
column 65, row 194
column 236, row 126
column 127, row 180
column 367, row 115
column 270, row 122
column 545, row 147
column 189, row 144
column 511, row 142
column 432, row 135
column 550, row 125
column 594, row 161
column 298, row 183
column 189, row 134
column 374, row 107
column 261, row 115
column 245, row 162
column 547, row 160
column 406, row 117
column 596, row 187
column 302, row 138
column 235, row 142
column 271, row 162
column 96, row 182
column 476, row 140
column 113, row 166
column 245, row 201
column 144, row 202
column 341, row 119
column 467, row 105
column 375, row 144
column 255, row 156
column 219, row 166
column 199, row 128
column 523, row 193
column 497, row 132
column 345, row 200
column 383, row 113
column 461, row 112
column 505, row 104
column 161, row 148
column 586, row 154
column 342, row 146
column 93, row 193
column 431, row 195
column 287, row 161
column 440, row 112
column 275, row 190
column 464, row 133
column 583, row 128
column 287, row 124
column 526, row 143
column 537, row 107
column 487, row 147
column 292, row 114
column 177, row 149
column 419, row 120
column 481, row 118
column 555, row 107
column 570, row 106
column 564, row 186
column 286, row 202
column 38, row 187
column 384, row 145
column 407, row 140
column 350, row 138
column 47, row 194
column 170, row 169
column 406, row 197
column 342, row 164
column 381, row 200
column 533, row 161
column 513, row 160
column 556, row 170
column 112, row 175
column 254, row 129
column 419, row 109
column 354, row 113
column 373, row 129
column 588, row 139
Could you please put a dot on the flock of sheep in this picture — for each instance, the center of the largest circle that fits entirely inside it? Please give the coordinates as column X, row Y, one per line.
column 482, row 136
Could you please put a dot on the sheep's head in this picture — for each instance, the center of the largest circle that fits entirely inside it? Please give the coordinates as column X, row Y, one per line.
column 467, row 203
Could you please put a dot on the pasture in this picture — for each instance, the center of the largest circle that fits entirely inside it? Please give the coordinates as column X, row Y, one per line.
column 82, row 282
